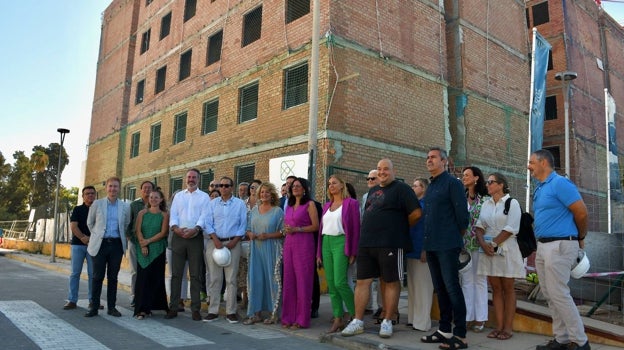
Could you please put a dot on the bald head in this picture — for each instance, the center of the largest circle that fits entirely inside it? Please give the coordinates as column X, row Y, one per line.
column 385, row 172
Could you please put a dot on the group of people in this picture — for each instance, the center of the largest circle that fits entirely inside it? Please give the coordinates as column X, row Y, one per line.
column 430, row 224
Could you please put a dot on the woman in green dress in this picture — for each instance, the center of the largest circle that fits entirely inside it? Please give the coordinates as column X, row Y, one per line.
column 152, row 228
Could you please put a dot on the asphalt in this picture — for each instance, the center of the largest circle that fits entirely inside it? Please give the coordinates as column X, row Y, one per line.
column 404, row 337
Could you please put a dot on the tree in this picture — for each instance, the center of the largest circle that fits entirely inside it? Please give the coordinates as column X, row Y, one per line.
column 15, row 192
column 45, row 180
column 68, row 198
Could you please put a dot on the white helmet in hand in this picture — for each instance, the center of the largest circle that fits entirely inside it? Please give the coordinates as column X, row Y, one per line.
column 465, row 261
column 222, row 257
column 580, row 266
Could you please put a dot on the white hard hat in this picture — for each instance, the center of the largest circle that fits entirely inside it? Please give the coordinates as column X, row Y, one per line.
column 580, row 266
column 222, row 257
column 465, row 261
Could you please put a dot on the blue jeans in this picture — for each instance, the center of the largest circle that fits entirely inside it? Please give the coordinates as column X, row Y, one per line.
column 78, row 256
column 444, row 267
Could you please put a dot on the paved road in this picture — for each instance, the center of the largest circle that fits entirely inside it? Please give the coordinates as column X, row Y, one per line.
column 32, row 317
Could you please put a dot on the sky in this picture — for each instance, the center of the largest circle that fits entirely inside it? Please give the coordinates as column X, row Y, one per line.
column 47, row 75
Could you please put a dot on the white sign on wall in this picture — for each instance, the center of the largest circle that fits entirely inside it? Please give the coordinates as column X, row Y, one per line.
column 283, row 167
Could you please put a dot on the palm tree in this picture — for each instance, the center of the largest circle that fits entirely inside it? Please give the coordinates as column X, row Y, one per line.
column 39, row 161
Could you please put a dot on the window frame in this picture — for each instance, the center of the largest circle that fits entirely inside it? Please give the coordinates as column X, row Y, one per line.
column 292, row 15
column 294, row 89
column 185, row 64
column 212, row 54
column 165, row 26
column 190, row 9
column 250, row 35
column 179, row 131
column 155, row 139
column 145, row 41
column 139, row 95
column 161, row 80
column 242, row 107
column 135, row 142
column 206, row 119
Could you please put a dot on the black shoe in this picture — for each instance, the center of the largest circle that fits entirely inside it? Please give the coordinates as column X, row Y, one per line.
column 91, row 313
column 552, row 345
column 114, row 312
column 211, row 317
column 314, row 314
column 101, row 307
column 171, row 314
column 196, row 316
column 575, row 346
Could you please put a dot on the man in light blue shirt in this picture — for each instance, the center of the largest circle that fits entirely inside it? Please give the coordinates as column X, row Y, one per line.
column 560, row 229
column 224, row 224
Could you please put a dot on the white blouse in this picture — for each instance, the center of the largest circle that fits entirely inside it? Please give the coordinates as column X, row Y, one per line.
column 332, row 222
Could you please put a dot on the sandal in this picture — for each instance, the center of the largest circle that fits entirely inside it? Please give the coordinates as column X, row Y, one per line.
column 504, row 335
column 295, row 326
column 436, row 337
column 494, row 334
column 453, row 344
column 337, row 326
column 286, row 325
column 478, row 327
column 251, row 320
column 268, row 320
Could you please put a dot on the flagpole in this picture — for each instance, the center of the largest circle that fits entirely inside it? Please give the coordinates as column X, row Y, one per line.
column 528, row 173
column 607, row 134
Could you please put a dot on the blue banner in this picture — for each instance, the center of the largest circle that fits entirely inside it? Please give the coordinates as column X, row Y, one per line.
column 539, row 66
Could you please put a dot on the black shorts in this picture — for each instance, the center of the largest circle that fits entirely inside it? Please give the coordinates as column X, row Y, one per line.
column 386, row 263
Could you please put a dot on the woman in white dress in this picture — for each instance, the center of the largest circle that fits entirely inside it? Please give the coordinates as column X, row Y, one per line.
column 501, row 260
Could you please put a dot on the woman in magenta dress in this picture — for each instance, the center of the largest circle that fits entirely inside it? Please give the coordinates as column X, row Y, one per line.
column 301, row 221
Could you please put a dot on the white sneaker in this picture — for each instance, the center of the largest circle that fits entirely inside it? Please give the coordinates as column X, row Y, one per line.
column 354, row 327
column 385, row 331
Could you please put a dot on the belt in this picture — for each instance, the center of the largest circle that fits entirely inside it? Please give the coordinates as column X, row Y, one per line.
column 111, row 239
column 227, row 239
column 552, row 239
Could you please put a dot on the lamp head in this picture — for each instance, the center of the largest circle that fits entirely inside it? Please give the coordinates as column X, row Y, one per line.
column 565, row 76
column 63, row 130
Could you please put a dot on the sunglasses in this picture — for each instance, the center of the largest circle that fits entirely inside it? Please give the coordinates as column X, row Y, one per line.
column 253, row 187
column 371, row 178
column 223, row 185
column 489, row 182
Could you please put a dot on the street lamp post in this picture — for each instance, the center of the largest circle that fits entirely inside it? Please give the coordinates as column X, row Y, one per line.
column 566, row 77
column 62, row 131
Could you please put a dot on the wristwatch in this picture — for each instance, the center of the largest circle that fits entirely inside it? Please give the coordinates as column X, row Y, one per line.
column 199, row 229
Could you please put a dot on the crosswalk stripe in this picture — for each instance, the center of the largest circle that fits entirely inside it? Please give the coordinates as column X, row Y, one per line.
column 46, row 329
column 167, row 336
column 250, row 331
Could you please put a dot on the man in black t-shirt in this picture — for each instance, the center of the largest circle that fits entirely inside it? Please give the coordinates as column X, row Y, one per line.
column 390, row 209
column 80, row 239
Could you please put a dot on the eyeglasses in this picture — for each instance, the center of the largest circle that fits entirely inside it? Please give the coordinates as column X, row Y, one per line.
column 296, row 186
column 213, row 185
column 489, row 182
column 224, row 186
column 371, row 178
column 89, row 193
column 253, row 187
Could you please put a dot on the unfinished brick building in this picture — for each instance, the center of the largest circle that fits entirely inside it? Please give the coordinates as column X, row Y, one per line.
column 223, row 86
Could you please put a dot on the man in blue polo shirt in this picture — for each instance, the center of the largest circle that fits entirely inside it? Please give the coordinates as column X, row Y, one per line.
column 560, row 228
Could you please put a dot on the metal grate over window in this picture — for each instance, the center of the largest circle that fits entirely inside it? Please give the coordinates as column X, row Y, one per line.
column 145, row 41
column 179, row 129
column 161, row 76
column 252, row 26
column 134, row 144
column 154, row 137
column 295, row 86
column 296, row 9
column 210, row 116
column 165, row 25
column 244, row 173
column 140, row 89
column 185, row 65
column 214, row 48
column 248, row 98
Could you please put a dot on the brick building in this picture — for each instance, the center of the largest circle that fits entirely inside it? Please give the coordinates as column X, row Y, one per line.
column 223, row 86
column 585, row 40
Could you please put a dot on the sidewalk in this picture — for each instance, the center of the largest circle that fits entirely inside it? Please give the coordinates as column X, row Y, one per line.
column 404, row 337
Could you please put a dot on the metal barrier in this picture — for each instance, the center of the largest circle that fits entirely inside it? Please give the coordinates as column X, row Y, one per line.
column 17, row 229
